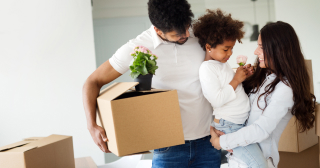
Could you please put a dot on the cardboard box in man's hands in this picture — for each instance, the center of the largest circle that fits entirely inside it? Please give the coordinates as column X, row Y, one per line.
column 139, row 121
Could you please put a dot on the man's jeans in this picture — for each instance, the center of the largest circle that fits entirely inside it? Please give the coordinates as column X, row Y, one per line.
column 250, row 154
column 197, row 153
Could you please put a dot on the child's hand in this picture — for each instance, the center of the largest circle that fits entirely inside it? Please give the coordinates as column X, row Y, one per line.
column 239, row 77
column 241, row 74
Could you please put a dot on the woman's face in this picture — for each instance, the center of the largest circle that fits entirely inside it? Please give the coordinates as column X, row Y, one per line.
column 259, row 53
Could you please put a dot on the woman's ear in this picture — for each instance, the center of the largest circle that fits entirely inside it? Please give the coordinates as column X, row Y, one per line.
column 208, row 47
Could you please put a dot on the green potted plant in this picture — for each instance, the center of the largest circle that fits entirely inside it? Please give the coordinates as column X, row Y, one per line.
column 143, row 67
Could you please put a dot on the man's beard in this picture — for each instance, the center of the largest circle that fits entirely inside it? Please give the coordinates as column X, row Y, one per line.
column 176, row 42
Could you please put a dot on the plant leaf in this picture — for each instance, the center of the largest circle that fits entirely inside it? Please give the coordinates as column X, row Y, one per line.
column 134, row 74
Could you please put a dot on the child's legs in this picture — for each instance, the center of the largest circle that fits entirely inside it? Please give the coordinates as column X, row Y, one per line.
column 251, row 155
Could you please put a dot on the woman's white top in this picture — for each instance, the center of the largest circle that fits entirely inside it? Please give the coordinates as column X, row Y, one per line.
column 264, row 127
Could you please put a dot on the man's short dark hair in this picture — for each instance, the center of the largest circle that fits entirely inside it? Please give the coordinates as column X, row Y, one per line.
column 170, row 15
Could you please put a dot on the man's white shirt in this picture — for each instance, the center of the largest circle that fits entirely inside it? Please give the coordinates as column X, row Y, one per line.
column 178, row 69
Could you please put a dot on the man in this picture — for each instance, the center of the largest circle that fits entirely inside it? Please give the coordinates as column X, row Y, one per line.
column 179, row 58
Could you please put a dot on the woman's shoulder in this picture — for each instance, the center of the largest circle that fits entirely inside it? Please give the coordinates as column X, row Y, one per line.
column 283, row 89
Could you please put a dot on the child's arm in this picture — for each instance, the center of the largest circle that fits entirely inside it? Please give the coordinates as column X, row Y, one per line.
column 212, row 90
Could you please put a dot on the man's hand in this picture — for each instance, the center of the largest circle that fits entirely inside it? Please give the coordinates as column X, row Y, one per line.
column 101, row 76
column 99, row 137
column 250, row 70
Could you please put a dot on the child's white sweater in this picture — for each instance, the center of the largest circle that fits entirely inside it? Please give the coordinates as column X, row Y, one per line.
column 228, row 104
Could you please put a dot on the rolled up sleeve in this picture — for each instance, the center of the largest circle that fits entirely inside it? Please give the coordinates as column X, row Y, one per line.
column 121, row 60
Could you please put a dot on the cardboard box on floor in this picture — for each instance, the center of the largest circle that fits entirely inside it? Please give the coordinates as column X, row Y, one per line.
column 85, row 162
column 137, row 122
column 308, row 158
column 54, row 151
column 293, row 141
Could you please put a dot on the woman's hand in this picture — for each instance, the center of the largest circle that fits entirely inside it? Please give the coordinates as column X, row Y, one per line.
column 219, row 133
column 215, row 140
column 250, row 70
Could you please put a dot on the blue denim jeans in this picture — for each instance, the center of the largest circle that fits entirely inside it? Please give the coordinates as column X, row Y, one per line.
column 250, row 154
column 197, row 153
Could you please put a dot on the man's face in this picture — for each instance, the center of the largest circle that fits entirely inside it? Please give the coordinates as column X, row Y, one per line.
column 173, row 36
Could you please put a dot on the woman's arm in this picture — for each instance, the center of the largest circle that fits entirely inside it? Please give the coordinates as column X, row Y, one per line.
column 280, row 102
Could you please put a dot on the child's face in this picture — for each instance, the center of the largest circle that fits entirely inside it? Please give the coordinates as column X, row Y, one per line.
column 222, row 52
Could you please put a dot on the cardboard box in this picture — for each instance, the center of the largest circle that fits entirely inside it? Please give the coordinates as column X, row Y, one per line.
column 293, row 141
column 139, row 121
column 85, row 162
column 306, row 159
column 54, row 151
column 309, row 69
column 317, row 119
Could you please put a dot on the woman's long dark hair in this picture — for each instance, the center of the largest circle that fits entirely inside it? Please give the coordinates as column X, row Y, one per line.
column 283, row 57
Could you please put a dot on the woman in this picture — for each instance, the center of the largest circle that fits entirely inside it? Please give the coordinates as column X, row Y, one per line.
column 279, row 89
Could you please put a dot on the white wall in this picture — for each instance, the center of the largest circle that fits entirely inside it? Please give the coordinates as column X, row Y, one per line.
column 304, row 17
column 46, row 54
column 110, row 10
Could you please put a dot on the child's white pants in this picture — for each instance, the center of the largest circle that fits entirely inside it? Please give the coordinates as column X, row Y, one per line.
column 237, row 163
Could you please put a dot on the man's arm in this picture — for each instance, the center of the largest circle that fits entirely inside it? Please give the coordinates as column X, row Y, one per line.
column 104, row 74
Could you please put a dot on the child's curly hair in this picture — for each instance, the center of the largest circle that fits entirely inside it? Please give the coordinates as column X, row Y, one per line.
column 215, row 27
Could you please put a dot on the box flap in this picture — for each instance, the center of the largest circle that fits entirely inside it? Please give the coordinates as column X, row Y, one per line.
column 116, row 90
column 33, row 138
column 14, row 145
column 152, row 90
column 47, row 140
column 22, row 149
